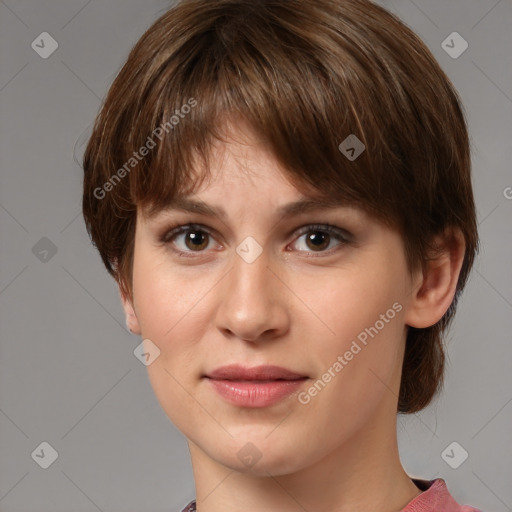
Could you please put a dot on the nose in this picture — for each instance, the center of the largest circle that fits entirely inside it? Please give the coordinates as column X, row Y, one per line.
column 254, row 301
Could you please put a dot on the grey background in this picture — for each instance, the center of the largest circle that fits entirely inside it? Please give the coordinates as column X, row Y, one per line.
column 68, row 375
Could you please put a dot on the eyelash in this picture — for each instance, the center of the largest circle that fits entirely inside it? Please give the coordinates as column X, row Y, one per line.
column 179, row 229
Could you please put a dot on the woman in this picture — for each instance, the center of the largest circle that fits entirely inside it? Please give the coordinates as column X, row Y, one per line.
column 282, row 191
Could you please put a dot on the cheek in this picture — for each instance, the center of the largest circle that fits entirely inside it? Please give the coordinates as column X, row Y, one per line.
column 174, row 310
column 169, row 312
column 347, row 302
column 166, row 297
column 360, row 319
column 358, row 363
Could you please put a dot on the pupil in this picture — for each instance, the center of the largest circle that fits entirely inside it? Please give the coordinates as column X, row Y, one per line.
column 316, row 237
column 198, row 240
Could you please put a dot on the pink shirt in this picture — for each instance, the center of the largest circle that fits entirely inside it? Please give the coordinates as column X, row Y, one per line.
column 434, row 498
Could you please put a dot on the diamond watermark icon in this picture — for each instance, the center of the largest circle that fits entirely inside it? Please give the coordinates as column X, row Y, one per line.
column 44, row 250
column 45, row 455
column 146, row 352
column 454, row 455
column 454, row 45
column 249, row 454
column 44, row 45
column 249, row 249
column 351, row 147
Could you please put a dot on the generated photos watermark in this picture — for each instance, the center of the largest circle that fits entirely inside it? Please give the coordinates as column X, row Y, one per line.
column 158, row 132
column 304, row 397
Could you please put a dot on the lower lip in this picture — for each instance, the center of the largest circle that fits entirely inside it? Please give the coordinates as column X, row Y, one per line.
column 254, row 394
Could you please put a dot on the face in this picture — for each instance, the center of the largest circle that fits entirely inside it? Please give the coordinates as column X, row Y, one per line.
column 260, row 287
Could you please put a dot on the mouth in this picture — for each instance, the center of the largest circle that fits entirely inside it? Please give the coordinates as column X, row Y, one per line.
column 259, row 374
column 257, row 393
column 256, row 387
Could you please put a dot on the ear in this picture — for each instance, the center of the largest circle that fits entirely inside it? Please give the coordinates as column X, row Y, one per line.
column 434, row 287
column 132, row 322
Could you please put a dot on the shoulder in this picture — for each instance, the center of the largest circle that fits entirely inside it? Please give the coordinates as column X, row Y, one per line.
column 435, row 497
column 191, row 507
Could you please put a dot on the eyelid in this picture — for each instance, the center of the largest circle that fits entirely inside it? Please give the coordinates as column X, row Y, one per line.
column 180, row 228
column 327, row 228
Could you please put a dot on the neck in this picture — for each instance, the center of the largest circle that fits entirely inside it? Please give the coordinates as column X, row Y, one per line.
column 364, row 473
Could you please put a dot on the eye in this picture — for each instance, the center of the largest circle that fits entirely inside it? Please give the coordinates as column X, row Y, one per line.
column 320, row 236
column 195, row 240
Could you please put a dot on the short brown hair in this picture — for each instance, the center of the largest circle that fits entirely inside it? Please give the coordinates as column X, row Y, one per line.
column 304, row 74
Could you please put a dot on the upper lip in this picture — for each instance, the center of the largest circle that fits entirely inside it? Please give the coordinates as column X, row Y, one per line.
column 264, row 372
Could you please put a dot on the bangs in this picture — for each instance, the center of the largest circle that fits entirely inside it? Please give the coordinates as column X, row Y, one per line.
column 293, row 91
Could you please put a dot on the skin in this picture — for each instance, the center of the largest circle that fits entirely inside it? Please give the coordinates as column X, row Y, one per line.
column 339, row 451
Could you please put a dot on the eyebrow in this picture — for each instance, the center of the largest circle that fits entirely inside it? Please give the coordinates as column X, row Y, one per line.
column 298, row 207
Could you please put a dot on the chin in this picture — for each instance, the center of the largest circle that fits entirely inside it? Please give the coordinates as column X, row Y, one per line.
column 265, row 454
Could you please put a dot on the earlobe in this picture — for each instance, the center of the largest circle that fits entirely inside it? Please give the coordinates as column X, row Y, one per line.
column 435, row 289
column 132, row 322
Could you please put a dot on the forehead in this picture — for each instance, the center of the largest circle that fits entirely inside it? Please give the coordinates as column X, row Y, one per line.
column 239, row 174
column 242, row 167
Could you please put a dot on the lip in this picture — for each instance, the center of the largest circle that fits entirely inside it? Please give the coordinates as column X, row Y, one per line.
column 259, row 386
column 256, row 373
